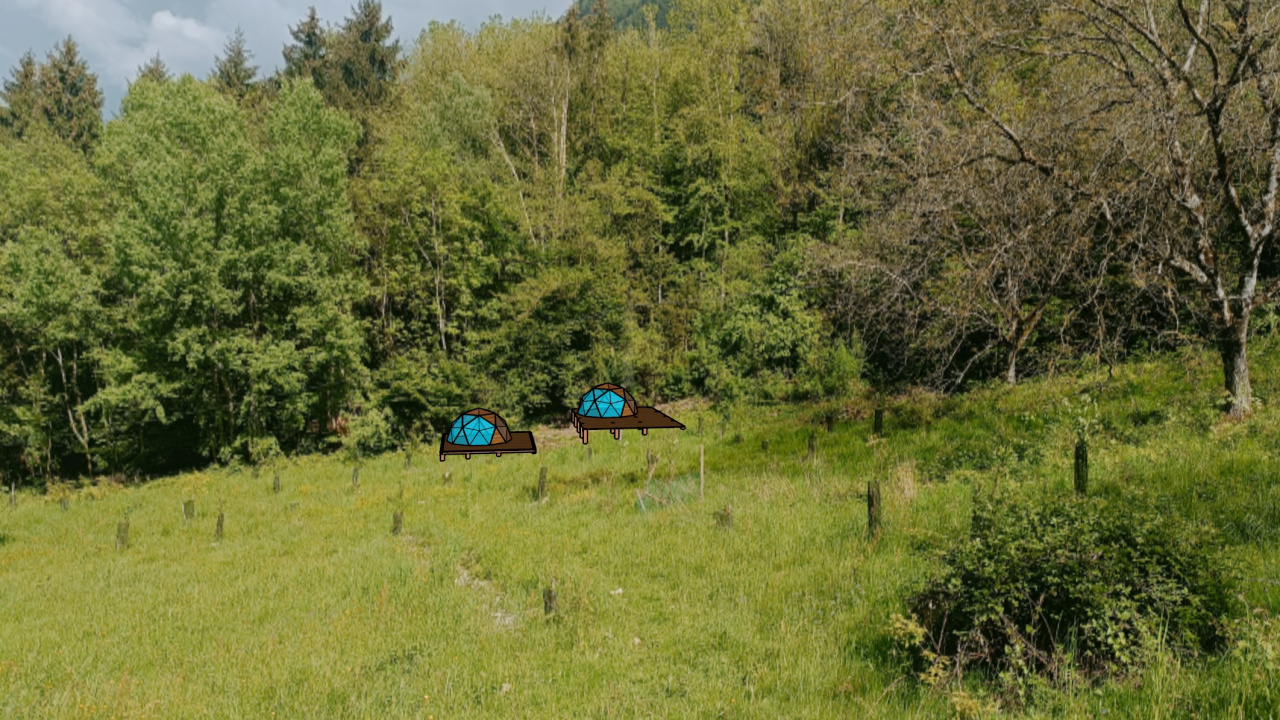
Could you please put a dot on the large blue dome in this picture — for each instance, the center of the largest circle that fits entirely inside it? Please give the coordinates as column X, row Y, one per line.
column 478, row 427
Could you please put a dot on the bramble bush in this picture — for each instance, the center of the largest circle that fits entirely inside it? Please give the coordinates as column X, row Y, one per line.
column 1054, row 592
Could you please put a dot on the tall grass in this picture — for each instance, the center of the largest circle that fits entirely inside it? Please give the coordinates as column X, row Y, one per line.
column 310, row 607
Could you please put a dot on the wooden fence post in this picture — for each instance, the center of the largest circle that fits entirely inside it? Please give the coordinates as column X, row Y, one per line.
column 275, row 483
column 217, row 532
column 813, row 445
column 64, row 502
column 397, row 522
column 542, row 483
column 877, row 422
column 873, row 508
column 122, row 534
column 1082, row 467
column 549, row 601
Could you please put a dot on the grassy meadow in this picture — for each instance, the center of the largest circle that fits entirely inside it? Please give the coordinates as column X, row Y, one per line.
column 309, row 606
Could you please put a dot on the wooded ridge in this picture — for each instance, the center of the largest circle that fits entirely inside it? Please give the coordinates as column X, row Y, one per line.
column 777, row 200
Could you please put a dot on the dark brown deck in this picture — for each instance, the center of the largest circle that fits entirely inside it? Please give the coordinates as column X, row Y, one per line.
column 520, row 442
column 645, row 419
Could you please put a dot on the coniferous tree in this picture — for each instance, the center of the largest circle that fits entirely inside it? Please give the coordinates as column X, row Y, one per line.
column 232, row 73
column 70, row 97
column 366, row 61
column 599, row 26
column 154, row 70
column 309, row 55
column 598, row 35
column 21, row 96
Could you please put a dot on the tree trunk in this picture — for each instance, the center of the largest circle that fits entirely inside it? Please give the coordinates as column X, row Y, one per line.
column 1011, row 369
column 1233, row 345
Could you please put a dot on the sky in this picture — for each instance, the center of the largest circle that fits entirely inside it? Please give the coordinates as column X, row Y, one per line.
column 116, row 36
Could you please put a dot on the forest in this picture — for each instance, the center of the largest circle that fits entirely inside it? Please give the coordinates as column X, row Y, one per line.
column 760, row 202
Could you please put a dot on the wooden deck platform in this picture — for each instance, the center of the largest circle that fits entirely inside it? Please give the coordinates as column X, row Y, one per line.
column 645, row 419
column 520, row 442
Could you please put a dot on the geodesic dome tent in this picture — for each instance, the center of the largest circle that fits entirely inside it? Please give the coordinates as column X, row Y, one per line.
column 607, row 401
column 478, row 427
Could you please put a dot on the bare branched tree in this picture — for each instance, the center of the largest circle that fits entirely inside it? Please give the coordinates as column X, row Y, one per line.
column 1177, row 99
column 987, row 238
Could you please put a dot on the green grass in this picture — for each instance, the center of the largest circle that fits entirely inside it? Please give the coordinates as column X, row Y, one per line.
column 309, row 607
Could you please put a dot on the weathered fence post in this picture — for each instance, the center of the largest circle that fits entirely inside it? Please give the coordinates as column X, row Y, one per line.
column 275, row 483
column 397, row 522
column 188, row 509
column 1082, row 467
column 217, row 532
column 64, row 502
column 542, row 483
column 549, row 601
column 877, row 422
column 122, row 534
column 873, row 508
column 813, row 445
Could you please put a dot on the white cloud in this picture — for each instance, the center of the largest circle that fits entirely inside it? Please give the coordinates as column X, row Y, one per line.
column 117, row 36
column 116, row 41
column 185, row 44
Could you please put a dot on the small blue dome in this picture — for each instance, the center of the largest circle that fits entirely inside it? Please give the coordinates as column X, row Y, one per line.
column 607, row 401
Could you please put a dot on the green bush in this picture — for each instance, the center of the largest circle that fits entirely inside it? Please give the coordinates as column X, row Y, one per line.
column 1069, row 588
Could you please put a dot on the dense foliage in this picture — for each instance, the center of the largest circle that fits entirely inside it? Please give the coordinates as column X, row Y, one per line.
column 1069, row 588
column 739, row 200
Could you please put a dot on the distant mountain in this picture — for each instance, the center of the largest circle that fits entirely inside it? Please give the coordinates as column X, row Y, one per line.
column 630, row 13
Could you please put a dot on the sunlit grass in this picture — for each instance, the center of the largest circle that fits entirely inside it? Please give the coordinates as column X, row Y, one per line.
column 310, row 607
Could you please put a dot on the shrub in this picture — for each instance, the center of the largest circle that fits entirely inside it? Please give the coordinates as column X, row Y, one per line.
column 1049, row 591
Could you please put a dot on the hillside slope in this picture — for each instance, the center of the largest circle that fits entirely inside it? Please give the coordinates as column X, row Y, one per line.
column 310, row 607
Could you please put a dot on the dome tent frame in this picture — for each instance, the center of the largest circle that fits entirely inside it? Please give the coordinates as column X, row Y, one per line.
column 479, row 427
column 629, row 416
column 607, row 400
column 484, row 432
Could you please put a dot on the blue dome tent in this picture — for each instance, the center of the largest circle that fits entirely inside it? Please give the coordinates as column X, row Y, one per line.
column 607, row 401
column 478, row 427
